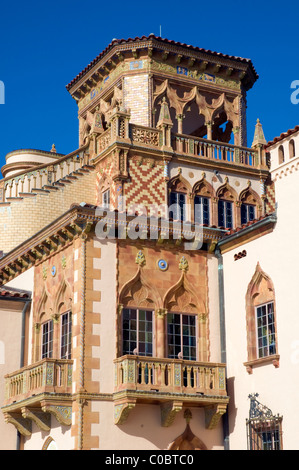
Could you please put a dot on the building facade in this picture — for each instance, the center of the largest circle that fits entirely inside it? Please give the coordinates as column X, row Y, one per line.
column 137, row 325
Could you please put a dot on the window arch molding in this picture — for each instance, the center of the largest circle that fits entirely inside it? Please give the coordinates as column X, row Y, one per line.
column 260, row 330
column 204, row 190
column 226, row 198
column 179, row 193
column 249, row 197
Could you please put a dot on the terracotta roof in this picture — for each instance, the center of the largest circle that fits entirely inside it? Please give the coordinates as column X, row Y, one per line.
column 13, row 292
column 115, row 42
column 251, row 222
column 283, row 136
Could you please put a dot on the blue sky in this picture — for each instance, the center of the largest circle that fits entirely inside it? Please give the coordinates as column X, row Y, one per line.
column 44, row 45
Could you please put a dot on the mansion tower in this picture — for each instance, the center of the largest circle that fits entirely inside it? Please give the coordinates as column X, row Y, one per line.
column 140, row 257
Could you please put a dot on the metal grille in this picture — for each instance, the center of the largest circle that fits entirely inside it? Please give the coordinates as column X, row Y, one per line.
column 264, row 431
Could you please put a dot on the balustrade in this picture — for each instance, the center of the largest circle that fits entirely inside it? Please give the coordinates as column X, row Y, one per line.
column 169, row 375
column 48, row 375
column 213, row 150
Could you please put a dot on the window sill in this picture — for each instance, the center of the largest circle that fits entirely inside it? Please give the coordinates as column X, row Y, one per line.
column 262, row 361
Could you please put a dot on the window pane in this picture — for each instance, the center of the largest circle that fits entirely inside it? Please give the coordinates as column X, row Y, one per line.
column 266, row 330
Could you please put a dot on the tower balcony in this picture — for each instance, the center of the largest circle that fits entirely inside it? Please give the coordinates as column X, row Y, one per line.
column 35, row 392
column 210, row 153
column 171, row 383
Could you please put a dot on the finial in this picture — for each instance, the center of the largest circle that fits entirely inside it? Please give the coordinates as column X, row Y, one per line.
column 164, row 117
column 259, row 138
column 53, row 149
column 188, row 415
column 140, row 259
column 183, row 265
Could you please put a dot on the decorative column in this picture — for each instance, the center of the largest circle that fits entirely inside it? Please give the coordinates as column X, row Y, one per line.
column 180, row 118
column 160, row 331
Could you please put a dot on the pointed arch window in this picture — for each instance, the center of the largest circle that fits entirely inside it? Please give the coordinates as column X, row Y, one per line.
column 261, row 321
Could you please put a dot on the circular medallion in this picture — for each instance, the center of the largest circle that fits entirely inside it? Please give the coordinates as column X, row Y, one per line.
column 162, row 265
column 53, row 271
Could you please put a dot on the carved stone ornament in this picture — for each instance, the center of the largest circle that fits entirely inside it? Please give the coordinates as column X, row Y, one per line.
column 140, row 258
column 183, row 264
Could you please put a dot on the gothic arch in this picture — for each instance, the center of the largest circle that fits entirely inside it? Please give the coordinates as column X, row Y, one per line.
column 138, row 292
column 180, row 184
column 44, row 304
column 187, row 441
column 203, row 188
column 225, row 191
column 249, row 196
column 63, row 298
column 181, row 298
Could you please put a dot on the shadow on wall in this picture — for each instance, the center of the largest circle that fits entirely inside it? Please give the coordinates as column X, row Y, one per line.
column 232, row 410
column 144, row 422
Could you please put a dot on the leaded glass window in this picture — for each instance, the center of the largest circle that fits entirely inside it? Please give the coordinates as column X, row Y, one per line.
column 181, row 336
column 202, row 210
column 66, row 336
column 137, row 332
column 266, row 343
column 47, row 339
column 178, row 206
column 225, row 214
column 247, row 213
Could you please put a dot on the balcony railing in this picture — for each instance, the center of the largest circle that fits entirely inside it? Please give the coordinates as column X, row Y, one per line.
column 46, row 376
column 214, row 150
column 136, row 373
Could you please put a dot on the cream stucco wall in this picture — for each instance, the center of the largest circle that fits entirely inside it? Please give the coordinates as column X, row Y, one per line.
column 278, row 258
column 143, row 430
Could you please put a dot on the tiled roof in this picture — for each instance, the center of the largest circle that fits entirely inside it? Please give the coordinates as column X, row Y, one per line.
column 114, row 42
column 250, row 223
column 283, row 136
column 13, row 292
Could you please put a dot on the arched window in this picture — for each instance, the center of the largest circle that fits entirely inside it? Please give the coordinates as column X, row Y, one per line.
column 280, row 154
column 179, row 189
column 292, row 148
column 250, row 204
column 203, row 193
column 226, row 206
column 261, row 319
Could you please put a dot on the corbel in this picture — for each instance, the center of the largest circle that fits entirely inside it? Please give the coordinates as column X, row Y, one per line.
column 41, row 419
column 23, row 425
column 63, row 414
column 213, row 414
column 178, row 58
column 120, row 56
column 165, row 55
column 135, row 53
column 229, row 71
column 191, row 61
column 203, row 65
column 169, row 411
column 122, row 410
